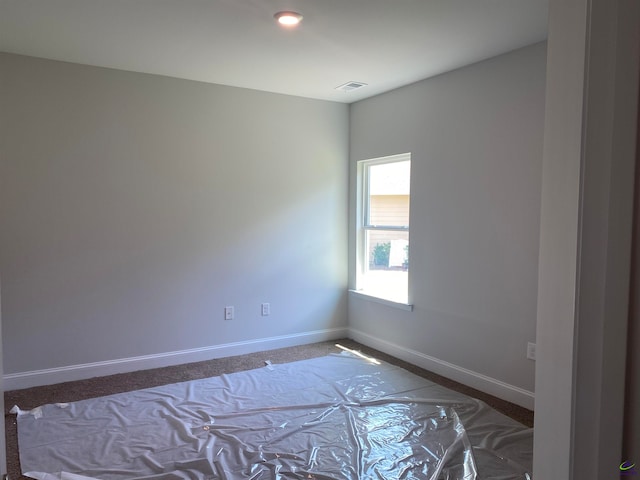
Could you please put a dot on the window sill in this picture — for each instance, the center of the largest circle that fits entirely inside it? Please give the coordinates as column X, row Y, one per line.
column 383, row 301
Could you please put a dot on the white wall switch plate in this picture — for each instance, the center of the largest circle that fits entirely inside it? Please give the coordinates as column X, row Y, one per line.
column 228, row 313
column 266, row 309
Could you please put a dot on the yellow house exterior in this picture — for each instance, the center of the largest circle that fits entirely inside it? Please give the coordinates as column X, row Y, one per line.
column 388, row 210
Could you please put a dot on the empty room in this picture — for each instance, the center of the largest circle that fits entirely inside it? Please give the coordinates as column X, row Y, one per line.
column 319, row 239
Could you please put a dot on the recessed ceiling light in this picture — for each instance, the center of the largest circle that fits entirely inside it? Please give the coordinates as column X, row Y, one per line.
column 288, row 19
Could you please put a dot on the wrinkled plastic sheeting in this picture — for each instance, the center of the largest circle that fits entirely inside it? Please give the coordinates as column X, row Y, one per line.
column 335, row 417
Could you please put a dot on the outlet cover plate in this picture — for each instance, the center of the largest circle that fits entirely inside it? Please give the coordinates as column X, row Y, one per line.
column 531, row 351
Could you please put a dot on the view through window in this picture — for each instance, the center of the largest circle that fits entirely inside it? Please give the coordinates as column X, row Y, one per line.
column 383, row 236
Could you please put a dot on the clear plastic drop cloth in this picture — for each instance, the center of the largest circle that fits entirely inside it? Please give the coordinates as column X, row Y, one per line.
column 335, row 417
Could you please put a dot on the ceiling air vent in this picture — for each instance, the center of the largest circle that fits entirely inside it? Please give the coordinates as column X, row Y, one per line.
column 349, row 86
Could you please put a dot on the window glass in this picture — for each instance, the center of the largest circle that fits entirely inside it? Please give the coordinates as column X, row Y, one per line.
column 383, row 229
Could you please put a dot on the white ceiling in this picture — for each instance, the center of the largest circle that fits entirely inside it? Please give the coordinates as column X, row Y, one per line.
column 384, row 43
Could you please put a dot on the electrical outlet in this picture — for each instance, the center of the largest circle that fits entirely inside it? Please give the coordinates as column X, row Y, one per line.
column 266, row 309
column 531, row 351
column 228, row 313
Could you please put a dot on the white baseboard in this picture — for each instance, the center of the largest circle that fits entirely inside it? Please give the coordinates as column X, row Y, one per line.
column 476, row 380
column 50, row 376
column 35, row 378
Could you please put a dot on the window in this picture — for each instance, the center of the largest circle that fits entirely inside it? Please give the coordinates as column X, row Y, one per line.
column 383, row 227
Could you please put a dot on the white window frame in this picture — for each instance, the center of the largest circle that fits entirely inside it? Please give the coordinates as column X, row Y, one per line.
column 363, row 225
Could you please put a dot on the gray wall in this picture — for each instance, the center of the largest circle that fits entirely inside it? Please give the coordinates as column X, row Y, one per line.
column 632, row 397
column 134, row 207
column 584, row 270
column 476, row 137
column 632, row 380
column 3, row 448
